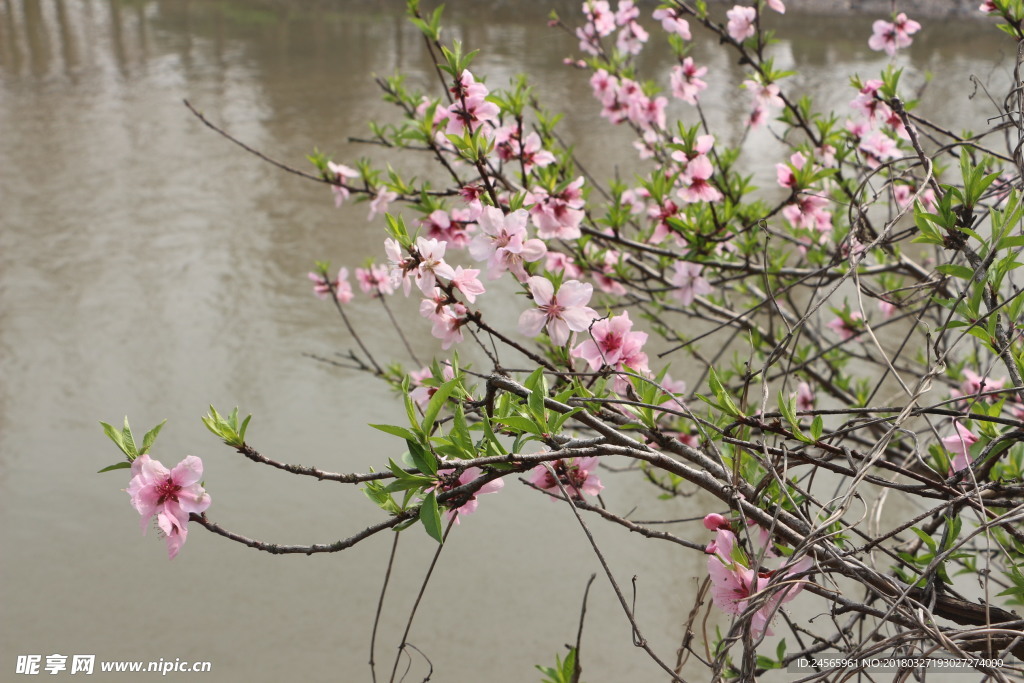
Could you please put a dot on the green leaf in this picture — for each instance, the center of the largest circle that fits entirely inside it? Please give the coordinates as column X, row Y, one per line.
column 410, row 409
column 401, row 432
column 817, row 427
column 519, row 423
column 724, row 400
column 556, row 424
column 928, row 540
column 376, row 492
column 245, row 425
column 430, row 515
column 437, row 401
column 1012, row 242
column 956, row 271
column 411, row 483
column 423, row 459
column 118, row 466
column 129, row 440
column 115, row 436
column 150, row 437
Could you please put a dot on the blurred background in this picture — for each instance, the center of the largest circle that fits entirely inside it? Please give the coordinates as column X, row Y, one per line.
column 149, row 268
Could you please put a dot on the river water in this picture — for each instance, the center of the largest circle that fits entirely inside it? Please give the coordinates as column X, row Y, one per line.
column 149, row 268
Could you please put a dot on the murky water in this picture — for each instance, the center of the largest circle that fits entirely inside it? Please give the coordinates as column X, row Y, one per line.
column 148, row 268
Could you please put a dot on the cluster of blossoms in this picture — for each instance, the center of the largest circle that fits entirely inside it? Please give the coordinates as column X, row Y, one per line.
column 471, row 110
column 322, row 287
column 602, row 22
column 692, row 184
column 623, row 99
column 807, row 211
column 891, row 36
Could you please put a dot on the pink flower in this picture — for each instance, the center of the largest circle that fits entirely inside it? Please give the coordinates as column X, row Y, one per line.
column 695, row 185
column 399, row 266
column 891, row 36
column 439, row 226
column 626, row 13
column 447, row 481
column 689, row 282
column 730, row 584
column 604, row 274
column 715, row 521
column 422, row 393
column 590, row 42
column 559, row 215
column 686, row 81
column 631, row 39
column 975, row 384
column 988, row 6
column 431, row 265
column 557, row 262
column 612, row 343
column 470, row 110
column 847, row 328
column 575, row 475
column 741, row 22
column 375, row 280
column 765, row 95
column 887, row 308
column 379, row 204
column 604, row 85
column 502, row 242
column 777, row 5
column 561, row 313
column 903, row 194
column 467, row 282
column 531, row 152
column 734, row 585
column 804, row 396
column 671, row 22
column 786, row 173
column 758, row 116
column 808, row 212
column 340, row 172
column 878, row 148
column 470, row 194
column 826, row 154
column 868, row 104
column 959, row 445
column 599, row 14
column 342, row 289
column 448, row 323
column 171, row 496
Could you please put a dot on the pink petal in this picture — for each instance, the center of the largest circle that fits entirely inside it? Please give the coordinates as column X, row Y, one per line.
column 532, row 321
column 187, row 472
column 575, row 293
column 542, row 289
column 558, row 331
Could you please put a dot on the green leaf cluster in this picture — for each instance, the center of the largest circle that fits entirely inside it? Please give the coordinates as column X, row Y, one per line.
column 125, row 440
column 227, row 428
